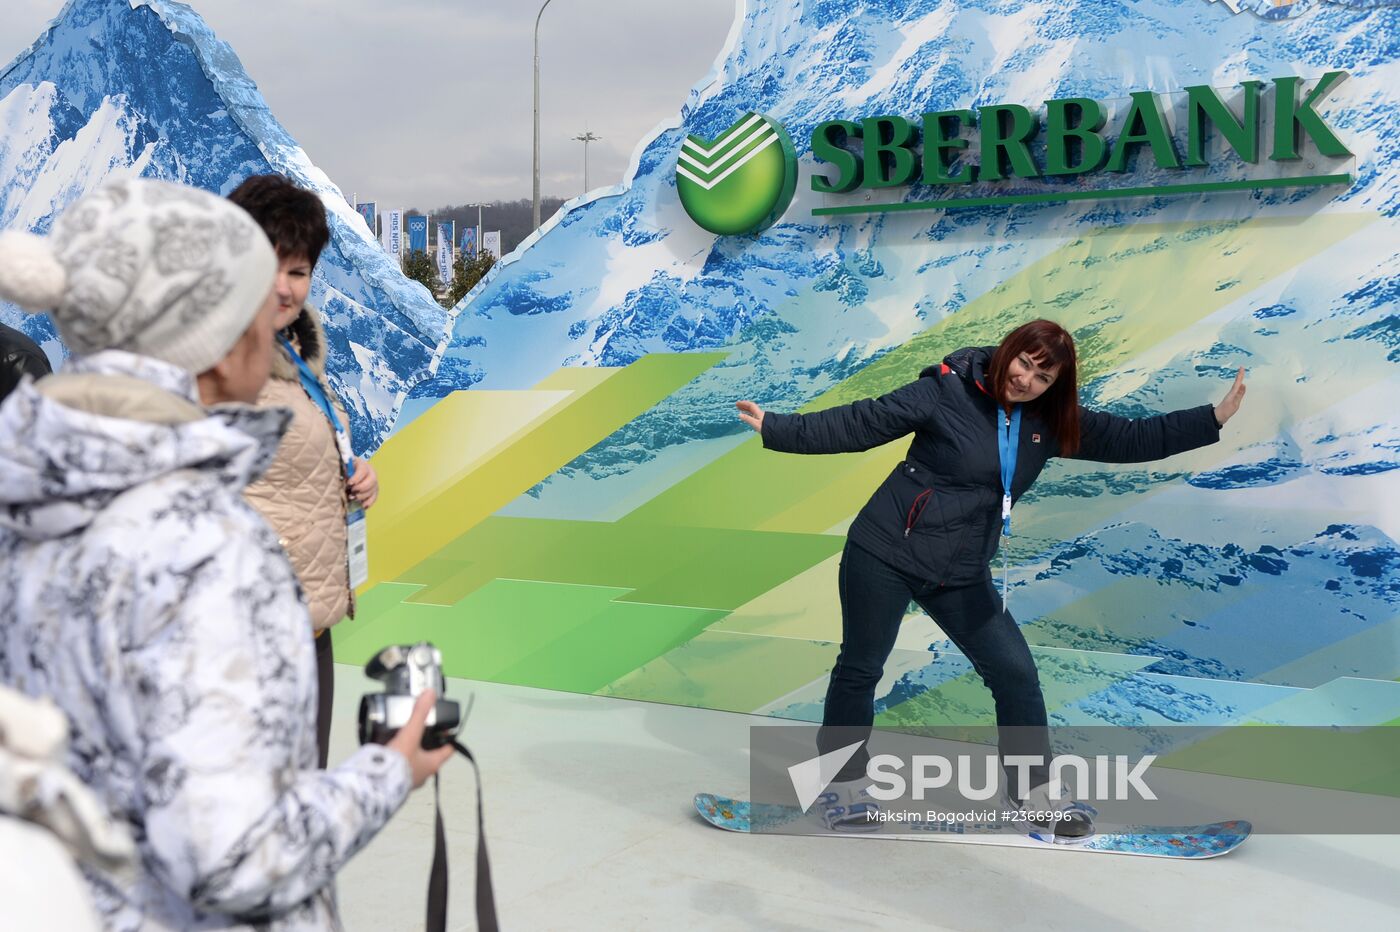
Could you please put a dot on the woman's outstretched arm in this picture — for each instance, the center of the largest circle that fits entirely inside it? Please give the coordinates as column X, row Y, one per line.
column 1108, row 438
column 860, row 425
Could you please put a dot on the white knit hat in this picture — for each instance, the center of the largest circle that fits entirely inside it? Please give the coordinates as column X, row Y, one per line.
column 149, row 267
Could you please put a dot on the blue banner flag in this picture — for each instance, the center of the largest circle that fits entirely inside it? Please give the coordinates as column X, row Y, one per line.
column 366, row 210
column 446, row 230
column 469, row 242
column 417, row 234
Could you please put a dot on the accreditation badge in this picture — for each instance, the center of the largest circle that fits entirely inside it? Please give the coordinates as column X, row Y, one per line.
column 357, row 544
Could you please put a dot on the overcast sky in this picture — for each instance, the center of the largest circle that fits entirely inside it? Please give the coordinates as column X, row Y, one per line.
column 423, row 103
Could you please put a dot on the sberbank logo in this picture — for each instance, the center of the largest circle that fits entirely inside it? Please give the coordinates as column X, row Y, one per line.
column 742, row 180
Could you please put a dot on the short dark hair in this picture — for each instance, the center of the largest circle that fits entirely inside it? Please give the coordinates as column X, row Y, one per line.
column 293, row 218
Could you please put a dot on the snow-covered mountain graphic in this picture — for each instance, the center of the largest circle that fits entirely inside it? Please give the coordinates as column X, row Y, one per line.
column 1254, row 579
column 143, row 87
column 1259, row 571
column 807, row 303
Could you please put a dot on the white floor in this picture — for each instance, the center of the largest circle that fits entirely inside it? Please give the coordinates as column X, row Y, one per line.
column 591, row 826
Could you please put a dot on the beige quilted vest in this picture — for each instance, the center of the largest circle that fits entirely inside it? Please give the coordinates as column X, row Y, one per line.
column 302, row 494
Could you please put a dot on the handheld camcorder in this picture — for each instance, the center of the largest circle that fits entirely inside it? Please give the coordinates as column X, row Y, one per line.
column 406, row 670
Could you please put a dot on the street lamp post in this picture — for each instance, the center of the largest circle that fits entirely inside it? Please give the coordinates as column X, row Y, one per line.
column 586, row 137
column 478, row 224
column 536, row 203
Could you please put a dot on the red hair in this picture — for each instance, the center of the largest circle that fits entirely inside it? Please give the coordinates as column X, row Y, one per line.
column 1051, row 347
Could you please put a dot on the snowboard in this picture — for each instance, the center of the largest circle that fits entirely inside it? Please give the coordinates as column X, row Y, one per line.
column 1189, row 841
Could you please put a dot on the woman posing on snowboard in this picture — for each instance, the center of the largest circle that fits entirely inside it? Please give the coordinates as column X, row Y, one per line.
column 984, row 423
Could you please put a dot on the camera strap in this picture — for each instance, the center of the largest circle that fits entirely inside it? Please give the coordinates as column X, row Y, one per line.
column 437, row 877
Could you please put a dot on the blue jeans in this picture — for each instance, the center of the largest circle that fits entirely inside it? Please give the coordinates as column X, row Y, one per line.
column 874, row 598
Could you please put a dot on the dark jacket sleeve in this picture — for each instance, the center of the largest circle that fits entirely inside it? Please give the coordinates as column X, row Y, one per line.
column 860, row 425
column 1108, row 438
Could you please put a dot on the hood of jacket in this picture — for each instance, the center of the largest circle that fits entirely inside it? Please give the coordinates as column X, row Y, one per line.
column 109, row 422
column 970, row 363
column 310, row 340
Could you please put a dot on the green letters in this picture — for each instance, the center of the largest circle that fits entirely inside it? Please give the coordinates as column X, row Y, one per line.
column 1214, row 125
column 1291, row 119
column 1059, row 135
column 940, row 136
column 826, row 148
column 1202, row 104
column 1006, row 130
column 1144, row 124
column 889, row 162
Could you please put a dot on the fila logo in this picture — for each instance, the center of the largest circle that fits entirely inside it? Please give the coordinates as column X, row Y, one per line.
column 1035, row 438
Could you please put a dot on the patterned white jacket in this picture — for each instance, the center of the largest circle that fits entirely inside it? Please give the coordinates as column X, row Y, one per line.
column 141, row 593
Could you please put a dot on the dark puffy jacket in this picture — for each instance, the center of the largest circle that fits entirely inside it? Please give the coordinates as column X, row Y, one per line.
column 938, row 514
column 19, row 356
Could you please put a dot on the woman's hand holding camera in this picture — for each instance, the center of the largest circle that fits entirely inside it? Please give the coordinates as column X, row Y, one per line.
column 409, row 742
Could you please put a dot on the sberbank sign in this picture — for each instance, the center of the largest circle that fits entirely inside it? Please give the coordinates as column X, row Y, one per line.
column 742, row 180
column 894, row 152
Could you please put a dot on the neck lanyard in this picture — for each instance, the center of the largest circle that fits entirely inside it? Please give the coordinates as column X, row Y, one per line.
column 1008, row 440
column 312, row 386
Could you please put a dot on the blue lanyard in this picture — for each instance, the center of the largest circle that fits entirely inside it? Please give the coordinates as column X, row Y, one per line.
column 1008, row 440
column 312, row 387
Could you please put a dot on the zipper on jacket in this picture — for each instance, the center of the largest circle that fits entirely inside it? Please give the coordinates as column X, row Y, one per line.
column 916, row 511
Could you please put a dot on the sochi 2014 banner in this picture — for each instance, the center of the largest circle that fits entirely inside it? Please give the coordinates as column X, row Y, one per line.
column 392, row 235
column 468, row 245
column 446, row 230
column 417, row 233
column 491, row 243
